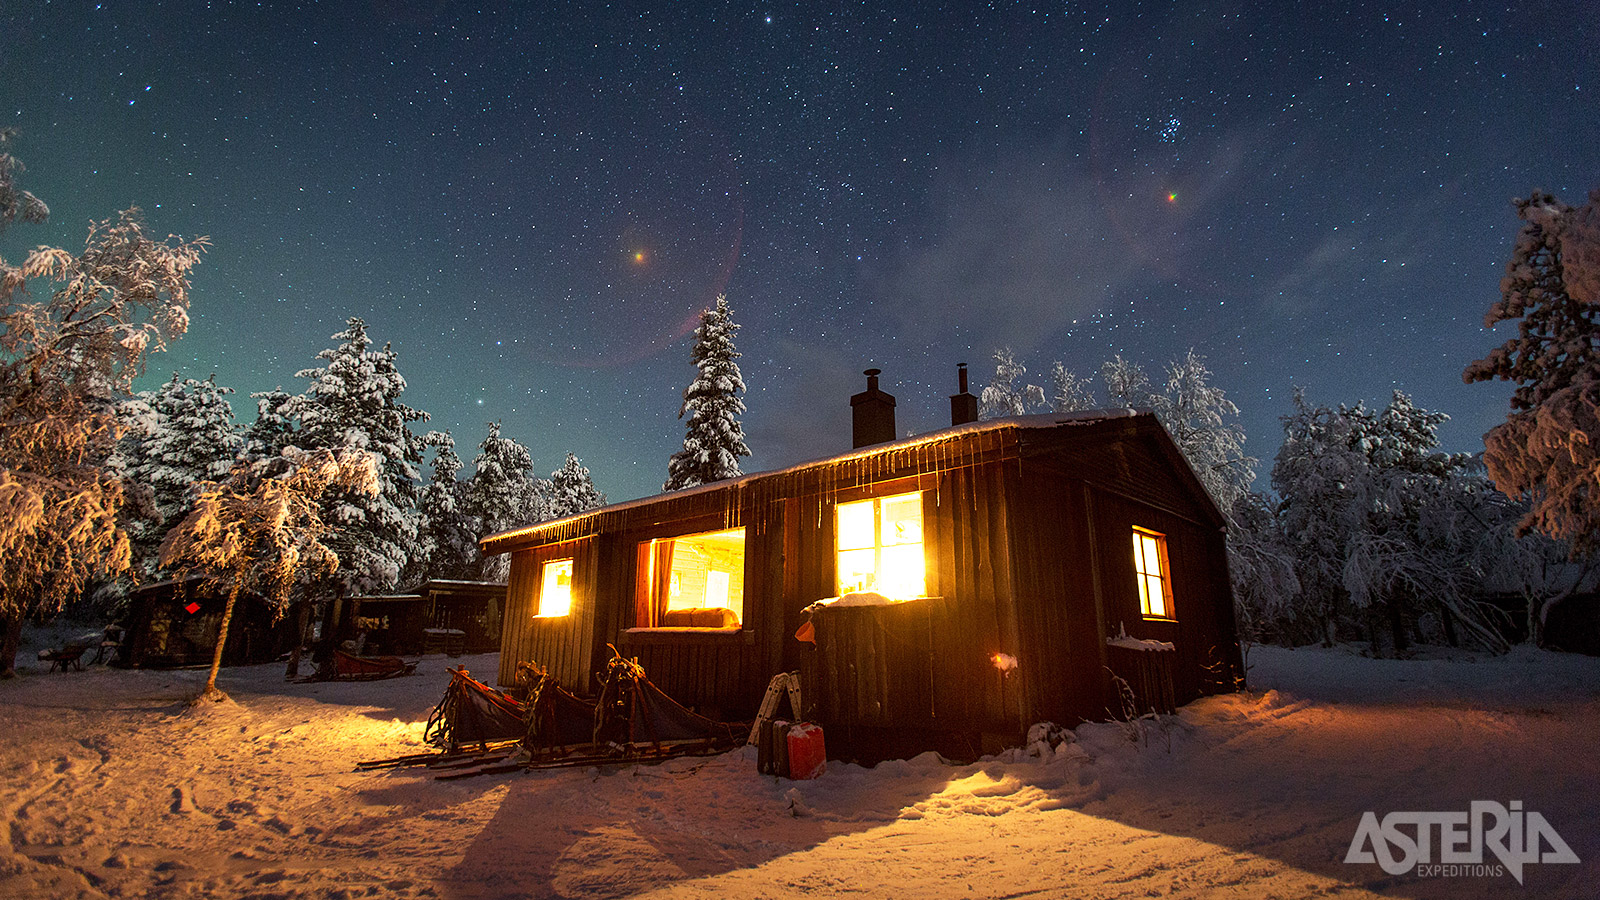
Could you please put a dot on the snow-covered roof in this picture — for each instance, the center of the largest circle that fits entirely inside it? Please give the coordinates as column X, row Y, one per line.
column 1033, row 422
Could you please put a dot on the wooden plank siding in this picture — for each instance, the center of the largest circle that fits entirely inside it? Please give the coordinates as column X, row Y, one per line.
column 1200, row 628
column 563, row 644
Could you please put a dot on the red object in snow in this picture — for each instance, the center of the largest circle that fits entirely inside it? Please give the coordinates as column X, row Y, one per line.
column 808, row 758
column 192, row 608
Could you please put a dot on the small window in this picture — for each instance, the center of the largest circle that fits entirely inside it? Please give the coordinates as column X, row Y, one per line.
column 692, row 581
column 1155, row 578
column 880, row 546
column 555, row 589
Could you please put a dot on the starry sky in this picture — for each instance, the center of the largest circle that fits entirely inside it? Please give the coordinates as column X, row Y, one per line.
column 531, row 202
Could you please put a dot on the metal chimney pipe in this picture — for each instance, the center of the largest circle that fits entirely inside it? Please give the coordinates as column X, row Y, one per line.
column 963, row 406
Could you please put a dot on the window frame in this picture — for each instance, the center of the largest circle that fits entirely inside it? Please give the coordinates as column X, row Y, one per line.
column 878, row 546
column 1163, row 574
column 648, row 607
column 572, row 570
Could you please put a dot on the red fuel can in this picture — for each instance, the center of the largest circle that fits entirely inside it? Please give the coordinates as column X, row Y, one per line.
column 808, row 757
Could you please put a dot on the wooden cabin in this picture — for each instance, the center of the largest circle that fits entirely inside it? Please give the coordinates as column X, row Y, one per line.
column 1029, row 560
column 176, row 623
column 401, row 624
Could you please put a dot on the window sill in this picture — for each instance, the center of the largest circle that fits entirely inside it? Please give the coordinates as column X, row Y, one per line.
column 685, row 635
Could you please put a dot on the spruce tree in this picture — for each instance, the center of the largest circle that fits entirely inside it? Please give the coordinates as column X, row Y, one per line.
column 447, row 545
column 1548, row 449
column 503, row 494
column 572, row 491
column 353, row 404
column 273, row 428
column 715, row 440
column 185, row 436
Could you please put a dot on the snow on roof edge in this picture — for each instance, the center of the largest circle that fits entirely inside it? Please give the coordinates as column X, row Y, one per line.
column 1036, row 421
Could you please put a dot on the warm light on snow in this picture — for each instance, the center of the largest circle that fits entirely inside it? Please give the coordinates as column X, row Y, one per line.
column 118, row 790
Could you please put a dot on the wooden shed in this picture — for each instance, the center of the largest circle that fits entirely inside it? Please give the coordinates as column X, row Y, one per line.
column 1029, row 559
column 176, row 623
column 400, row 623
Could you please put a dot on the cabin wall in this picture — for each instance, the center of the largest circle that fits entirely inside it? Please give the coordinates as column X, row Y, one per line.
column 1201, row 627
column 928, row 667
column 564, row 645
column 1061, row 655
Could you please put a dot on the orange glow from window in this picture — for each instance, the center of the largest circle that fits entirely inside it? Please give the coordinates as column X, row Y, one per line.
column 555, row 589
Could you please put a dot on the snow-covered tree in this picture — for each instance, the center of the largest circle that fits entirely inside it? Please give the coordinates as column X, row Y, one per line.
column 1003, row 395
column 572, row 491
column 447, row 545
column 273, row 428
column 353, row 404
column 261, row 530
column 1354, row 484
column 1127, row 385
column 62, row 359
column 16, row 203
column 1204, row 424
column 503, row 494
column 1068, row 392
column 715, row 440
column 1548, row 449
column 187, row 436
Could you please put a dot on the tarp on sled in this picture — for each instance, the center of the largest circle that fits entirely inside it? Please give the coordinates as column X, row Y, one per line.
column 472, row 713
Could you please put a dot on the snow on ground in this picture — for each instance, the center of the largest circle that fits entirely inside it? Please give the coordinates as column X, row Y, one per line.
column 113, row 788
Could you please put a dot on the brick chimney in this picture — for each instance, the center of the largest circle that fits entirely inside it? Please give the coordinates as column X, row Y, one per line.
column 963, row 406
column 871, row 414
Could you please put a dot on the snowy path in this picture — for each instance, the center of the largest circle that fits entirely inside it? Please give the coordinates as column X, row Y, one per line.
column 111, row 789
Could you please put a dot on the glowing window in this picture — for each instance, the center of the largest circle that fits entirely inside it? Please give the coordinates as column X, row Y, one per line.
column 555, row 589
column 692, row 581
column 1150, row 568
column 880, row 546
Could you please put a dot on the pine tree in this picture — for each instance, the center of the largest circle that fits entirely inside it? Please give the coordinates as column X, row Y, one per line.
column 447, row 545
column 187, row 437
column 353, row 404
column 1002, row 396
column 503, row 494
column 572, row 491
column 715, row 440
column 273, row 428
column 1548, row 449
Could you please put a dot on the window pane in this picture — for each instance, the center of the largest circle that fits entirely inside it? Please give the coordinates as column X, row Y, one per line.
column 902, row 519
column 1138, row 553
column 695, row 572
column 857, row 570
column 716, row 588
column 855, row 525
column 1156, row 604
column 902, row 575
column 555, row 589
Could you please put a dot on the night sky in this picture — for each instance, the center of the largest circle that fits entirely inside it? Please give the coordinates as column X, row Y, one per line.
column 532, row 206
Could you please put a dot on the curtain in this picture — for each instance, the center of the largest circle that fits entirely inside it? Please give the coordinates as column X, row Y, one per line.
column 653, row 583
